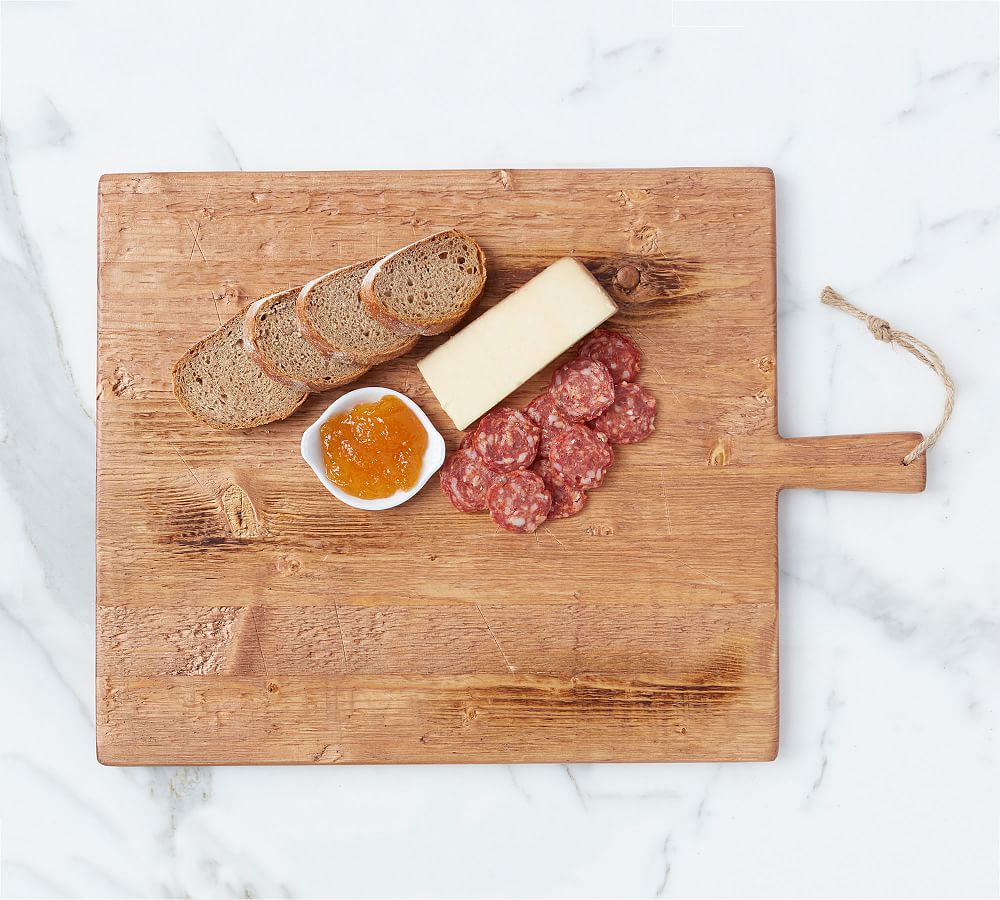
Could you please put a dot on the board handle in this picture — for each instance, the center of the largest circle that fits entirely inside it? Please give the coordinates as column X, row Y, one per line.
column 852, row 462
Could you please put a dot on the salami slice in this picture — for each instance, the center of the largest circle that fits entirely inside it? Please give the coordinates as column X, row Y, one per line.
column 465, row 479
column 630, row 418
column 582, row 389
column 519, row 501
column 544, row 413
column 616, row 350
column 581, row 456
column 566, row 501
column 506, row 439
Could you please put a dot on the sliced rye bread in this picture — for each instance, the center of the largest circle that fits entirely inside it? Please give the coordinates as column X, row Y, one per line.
column 272, row 336
column 219, row 384
column 334, row 321
column 428, row 286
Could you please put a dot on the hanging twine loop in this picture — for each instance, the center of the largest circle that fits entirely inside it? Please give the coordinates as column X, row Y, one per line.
column 883, row 331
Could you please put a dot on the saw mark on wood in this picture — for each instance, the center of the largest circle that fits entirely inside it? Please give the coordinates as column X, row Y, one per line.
column 260, row 646
column 666, row 504
column 340, row 630
column 647, row 357
column 549, row 532
column 196, row 234
column 495, row 641
column 188, row 467
column 704, row 575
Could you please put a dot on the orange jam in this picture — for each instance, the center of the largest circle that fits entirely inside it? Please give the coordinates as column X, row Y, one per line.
column 374, row 449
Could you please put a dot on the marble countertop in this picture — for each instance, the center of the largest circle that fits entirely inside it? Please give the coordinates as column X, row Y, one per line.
column 882, row 124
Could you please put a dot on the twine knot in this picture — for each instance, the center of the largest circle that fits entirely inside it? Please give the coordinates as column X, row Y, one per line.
column 879, row 328
column 883, row 331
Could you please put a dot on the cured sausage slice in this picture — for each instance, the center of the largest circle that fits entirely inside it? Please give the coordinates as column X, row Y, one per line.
column 581, row 456
column 566, row 501
column 582, row 389
column 546, row 415
column 506, row 439
column 519, row 501
column 616, row 350
column 630, row 418
column 465, row 479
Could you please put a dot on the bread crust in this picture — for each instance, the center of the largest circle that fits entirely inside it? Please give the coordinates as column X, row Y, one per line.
column 316, row 338
column 379, row 311
column 251, row 319
column 219, row 426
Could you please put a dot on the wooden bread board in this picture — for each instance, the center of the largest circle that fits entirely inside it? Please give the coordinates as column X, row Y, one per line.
column 245, row 616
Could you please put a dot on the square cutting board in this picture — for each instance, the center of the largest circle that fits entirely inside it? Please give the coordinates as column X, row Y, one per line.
column 245, row 616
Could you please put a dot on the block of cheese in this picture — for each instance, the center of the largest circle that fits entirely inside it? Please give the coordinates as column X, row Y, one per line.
column 494, row 355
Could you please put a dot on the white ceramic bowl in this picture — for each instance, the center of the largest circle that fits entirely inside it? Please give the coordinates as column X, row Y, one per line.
column 312, row 448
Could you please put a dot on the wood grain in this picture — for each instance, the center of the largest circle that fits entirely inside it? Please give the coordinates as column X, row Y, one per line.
column 244, row 616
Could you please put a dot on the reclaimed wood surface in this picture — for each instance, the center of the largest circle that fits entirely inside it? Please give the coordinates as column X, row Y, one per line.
column 245, row 616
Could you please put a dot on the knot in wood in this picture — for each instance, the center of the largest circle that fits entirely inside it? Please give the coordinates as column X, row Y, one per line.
column 240, row 513
column 627, row 278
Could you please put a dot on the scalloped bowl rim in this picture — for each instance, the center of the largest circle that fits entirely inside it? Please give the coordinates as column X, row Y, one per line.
column 312, row 451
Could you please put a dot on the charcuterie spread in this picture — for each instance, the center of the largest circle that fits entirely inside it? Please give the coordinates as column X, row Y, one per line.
column 522, row 467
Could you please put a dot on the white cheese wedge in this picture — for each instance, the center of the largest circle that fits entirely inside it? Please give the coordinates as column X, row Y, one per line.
column 498, row 352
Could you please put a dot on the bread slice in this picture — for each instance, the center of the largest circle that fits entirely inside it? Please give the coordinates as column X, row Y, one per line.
column 272, row 337
column 219, row 384
column 334, row 321
column 428, row 286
